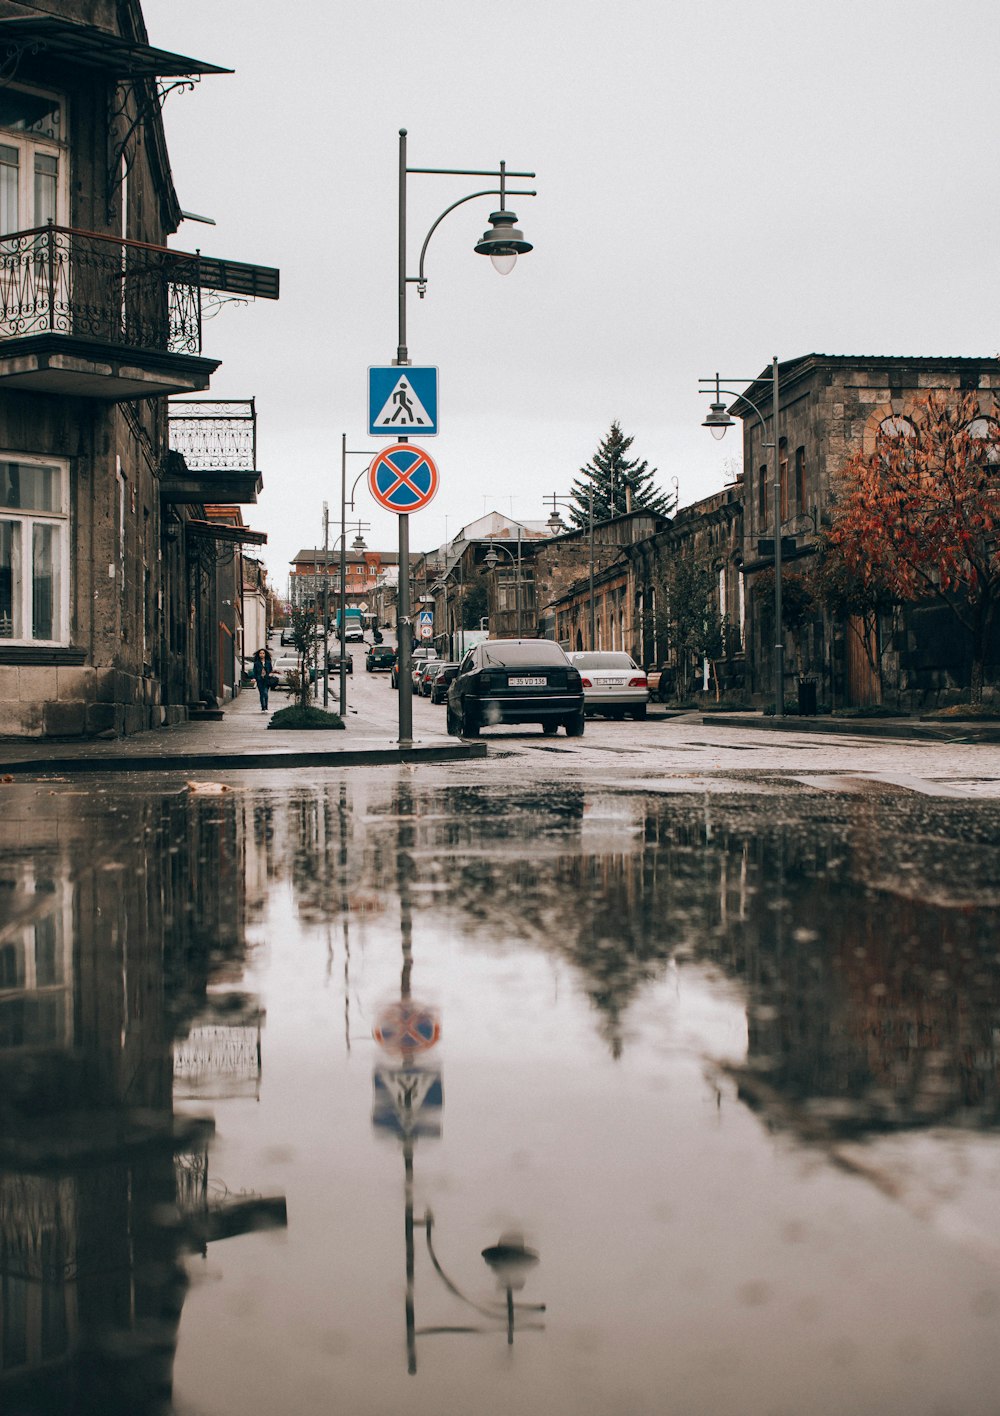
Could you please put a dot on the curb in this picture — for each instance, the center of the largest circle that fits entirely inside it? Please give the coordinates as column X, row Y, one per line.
column 247, row 761
column 853, row 727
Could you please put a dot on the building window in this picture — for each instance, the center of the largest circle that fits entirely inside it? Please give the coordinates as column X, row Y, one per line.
column 985, row 430
column 762, row 496
column 33, row 174
column 897, row 427
column 783, row 475
column 34, row 553
column 800, row 478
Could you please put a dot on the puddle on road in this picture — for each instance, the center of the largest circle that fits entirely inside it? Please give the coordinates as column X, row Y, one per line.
column 374, row 1095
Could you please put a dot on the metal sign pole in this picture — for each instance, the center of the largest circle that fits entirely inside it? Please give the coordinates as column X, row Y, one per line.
column 404, row 631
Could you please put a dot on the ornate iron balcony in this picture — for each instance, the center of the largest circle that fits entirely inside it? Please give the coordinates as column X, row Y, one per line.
column 57, row 280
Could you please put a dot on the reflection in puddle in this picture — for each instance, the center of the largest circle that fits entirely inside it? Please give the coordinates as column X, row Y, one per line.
column 661, row 1018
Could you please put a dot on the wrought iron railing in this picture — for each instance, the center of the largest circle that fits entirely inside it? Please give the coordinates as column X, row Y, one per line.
column 55, row 279
column 214, row 434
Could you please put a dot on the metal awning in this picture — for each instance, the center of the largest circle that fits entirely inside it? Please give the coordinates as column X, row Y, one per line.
column 237, row 278
column 87, row 47
column 218, row 531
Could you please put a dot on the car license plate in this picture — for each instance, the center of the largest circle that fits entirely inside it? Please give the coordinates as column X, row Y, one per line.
column 612, row 683
column 526, row 681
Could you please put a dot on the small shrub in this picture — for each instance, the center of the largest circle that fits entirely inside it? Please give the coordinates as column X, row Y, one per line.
column 984, row 712
column 295, row 716
column 875, row 710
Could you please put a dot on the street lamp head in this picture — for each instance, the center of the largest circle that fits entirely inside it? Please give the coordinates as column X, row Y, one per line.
column 491, row 558
column 556, row 524
column 503, row 243
column 359, row 543
column 718, row 420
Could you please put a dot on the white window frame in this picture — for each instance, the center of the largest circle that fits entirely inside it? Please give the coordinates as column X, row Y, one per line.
column 28, row 144
column 27, row 520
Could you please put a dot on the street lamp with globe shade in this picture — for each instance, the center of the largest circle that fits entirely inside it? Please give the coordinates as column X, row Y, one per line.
column 718, row 422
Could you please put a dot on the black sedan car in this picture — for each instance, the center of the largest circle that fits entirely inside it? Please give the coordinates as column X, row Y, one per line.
column 444, row 671
column 515, row 681
column 380, row 656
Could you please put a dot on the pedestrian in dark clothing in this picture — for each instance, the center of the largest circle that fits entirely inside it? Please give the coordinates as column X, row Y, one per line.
column 261, row 675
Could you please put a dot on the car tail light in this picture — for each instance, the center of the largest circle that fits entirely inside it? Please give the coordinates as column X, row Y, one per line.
column 638, row 682
column 585, row 682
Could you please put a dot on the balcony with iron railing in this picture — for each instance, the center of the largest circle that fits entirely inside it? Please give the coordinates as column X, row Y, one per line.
column 87, row 315
column 217, row 445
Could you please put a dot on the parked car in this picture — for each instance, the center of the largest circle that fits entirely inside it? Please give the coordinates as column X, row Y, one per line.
column 444, row 672
column 285, row 636
column 613, row 683
column 379, row 656
column 422, row 652
column 516, row 681
column 421, row 669
column 284, row 666
column 333, row 660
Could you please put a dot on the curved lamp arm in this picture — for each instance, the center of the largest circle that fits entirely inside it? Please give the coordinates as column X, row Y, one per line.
column 349, row 501
column 734, row 394
column 486, row 1311
column 420, row 279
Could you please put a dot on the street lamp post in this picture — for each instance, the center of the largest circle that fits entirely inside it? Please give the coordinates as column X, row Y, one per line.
column 358, row 544
column 345, row 453
column 491, row 558
column 503, row 243
column 556, row 524
column 441, row 586
column 717, row 421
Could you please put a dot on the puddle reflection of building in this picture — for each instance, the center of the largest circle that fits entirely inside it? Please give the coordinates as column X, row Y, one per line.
column 110, row 931
column 408, row 1100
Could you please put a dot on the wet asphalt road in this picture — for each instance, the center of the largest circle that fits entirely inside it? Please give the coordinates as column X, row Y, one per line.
column 695, row 1035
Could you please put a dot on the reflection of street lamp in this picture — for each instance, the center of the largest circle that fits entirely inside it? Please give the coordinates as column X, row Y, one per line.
column 511, row 1260
column 717, row 422
column 556, row 525
column 491, row 558
column 503, row 243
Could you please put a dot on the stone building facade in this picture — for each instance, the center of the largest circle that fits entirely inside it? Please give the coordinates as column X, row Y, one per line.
column 100, row 582
column 832, row 407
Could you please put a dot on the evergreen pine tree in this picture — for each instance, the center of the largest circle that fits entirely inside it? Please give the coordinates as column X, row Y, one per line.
column 620, row 484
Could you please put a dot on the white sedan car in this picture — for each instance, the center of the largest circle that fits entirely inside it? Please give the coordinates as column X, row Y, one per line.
column 613, row 683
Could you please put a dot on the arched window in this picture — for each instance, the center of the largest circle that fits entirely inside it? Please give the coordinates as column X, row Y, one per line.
column 986, row 430
column 896, row 426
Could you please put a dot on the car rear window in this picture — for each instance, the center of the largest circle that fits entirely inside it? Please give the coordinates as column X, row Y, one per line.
column 519, row 653
column 604, row 661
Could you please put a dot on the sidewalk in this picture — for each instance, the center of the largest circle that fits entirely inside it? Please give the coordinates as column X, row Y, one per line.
column 913, row 729
column 241, row 740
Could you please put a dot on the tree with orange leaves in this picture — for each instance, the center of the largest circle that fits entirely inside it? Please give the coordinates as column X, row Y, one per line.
column 918, row 516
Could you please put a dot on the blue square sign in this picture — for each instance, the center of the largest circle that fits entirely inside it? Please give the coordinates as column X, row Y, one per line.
column 402, row 399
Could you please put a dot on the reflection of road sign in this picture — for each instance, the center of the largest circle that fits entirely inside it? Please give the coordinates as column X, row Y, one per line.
column 403, row 478
column 407, row 1027
column 407, row 1101
column 403, row 399
column 363, row 606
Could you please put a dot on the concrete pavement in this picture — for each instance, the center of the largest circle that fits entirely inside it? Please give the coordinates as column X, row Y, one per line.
column 239, row 740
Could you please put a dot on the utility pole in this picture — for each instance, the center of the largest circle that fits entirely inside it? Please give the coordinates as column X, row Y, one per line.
column 326, row 602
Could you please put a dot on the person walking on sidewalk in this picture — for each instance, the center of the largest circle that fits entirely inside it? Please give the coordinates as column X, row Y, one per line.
column 261, row 675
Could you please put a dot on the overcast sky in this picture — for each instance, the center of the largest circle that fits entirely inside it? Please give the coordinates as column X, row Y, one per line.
column 716, row 183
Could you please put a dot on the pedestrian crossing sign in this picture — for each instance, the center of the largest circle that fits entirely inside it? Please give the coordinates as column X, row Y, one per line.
column 402, row 399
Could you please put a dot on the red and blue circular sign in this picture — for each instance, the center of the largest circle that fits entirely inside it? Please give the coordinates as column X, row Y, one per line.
column 407, row 1027
column 403, row 478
